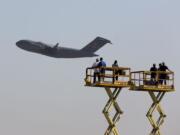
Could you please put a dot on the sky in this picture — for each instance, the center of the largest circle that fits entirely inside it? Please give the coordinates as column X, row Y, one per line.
column 40, row 95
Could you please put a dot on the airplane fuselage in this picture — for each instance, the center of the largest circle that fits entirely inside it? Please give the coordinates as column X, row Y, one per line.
column 56, row 51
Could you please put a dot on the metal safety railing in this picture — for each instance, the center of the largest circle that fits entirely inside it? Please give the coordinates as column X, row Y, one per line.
column 107, row 75
column 155, row 79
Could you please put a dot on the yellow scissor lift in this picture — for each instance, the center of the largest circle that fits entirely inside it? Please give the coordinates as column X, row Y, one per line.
column 156, row 87
column 136, row 81
column 113, row 87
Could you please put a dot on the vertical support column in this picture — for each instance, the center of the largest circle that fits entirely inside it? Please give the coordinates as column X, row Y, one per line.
column 156, row 98
column 112, row 129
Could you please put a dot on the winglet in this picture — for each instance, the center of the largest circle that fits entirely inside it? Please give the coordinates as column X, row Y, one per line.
column 103, row 39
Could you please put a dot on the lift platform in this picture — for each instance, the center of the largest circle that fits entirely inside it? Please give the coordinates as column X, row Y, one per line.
column 156, row 87
column 113, row 80
column 142, row 81
column 113, row 77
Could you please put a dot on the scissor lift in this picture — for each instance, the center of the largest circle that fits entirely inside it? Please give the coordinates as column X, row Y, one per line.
column 113, row 84
column 156, row 87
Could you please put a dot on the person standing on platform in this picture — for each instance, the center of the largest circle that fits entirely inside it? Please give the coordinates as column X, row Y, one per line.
column 153, row 74
column 116, row 71
column 164, row 75
column 96, row 70
column 160, row 81
column 101, row 66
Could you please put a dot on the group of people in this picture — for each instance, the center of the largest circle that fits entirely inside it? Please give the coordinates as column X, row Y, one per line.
column 97, row 65
column 99, row 71
column 158, row 74
column 159, row 77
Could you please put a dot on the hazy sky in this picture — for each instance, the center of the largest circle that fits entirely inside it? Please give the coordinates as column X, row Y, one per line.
column 40, row 95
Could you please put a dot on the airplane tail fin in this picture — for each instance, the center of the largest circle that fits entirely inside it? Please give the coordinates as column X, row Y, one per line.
column 95, row 45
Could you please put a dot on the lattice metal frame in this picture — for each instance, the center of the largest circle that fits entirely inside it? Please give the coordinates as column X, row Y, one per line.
column 112, row 103
column 156, row 98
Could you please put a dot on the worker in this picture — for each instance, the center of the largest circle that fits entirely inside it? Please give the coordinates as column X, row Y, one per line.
column 116, row 71
column 164, row 75
column 101, row 66
column 153, row 71
column 96, row 70
column 160, row 81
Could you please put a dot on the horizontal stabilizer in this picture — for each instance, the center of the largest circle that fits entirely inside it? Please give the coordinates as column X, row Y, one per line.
column 95, row 45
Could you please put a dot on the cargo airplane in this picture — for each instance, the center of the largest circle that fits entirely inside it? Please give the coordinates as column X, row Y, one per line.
column 57, row 51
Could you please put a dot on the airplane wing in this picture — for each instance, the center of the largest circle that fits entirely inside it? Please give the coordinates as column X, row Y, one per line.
column 95, row 45
column 56, row 45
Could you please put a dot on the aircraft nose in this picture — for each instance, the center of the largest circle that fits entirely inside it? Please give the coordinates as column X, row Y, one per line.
column 21, row 43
